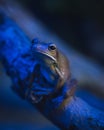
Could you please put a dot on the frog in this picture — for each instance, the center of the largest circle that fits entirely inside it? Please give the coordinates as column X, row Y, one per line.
column 53, row 59
column 52, row 66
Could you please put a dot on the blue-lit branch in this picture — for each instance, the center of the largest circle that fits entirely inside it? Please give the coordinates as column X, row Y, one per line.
column 65, row 112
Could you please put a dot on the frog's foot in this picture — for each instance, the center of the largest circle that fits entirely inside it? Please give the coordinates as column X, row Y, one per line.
column 70, row 88
column 36, row 93
column 34, row 97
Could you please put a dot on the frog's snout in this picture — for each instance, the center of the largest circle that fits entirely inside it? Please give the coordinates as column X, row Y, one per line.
column 35, row 40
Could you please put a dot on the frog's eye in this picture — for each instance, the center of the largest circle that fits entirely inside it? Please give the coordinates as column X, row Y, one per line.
column 52, row 47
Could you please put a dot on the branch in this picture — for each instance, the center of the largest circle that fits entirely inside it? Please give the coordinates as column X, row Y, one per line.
column 65, row 112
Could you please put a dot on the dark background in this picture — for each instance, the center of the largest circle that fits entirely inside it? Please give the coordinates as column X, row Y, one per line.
column 80, row 23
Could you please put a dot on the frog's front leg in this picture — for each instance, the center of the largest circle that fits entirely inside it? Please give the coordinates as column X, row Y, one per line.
column 37, row 92
column 60, row 80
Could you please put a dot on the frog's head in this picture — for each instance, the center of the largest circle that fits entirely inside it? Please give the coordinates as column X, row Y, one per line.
column 46, row 52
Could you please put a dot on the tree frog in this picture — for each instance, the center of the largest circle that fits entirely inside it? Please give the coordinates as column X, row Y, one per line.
column 52, row 70
column 54, row 63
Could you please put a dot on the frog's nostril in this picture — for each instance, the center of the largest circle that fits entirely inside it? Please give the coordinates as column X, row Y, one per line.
column 52, row 47
column 35, row 40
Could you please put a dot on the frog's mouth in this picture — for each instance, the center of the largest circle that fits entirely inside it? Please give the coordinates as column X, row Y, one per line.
column 43, row 55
